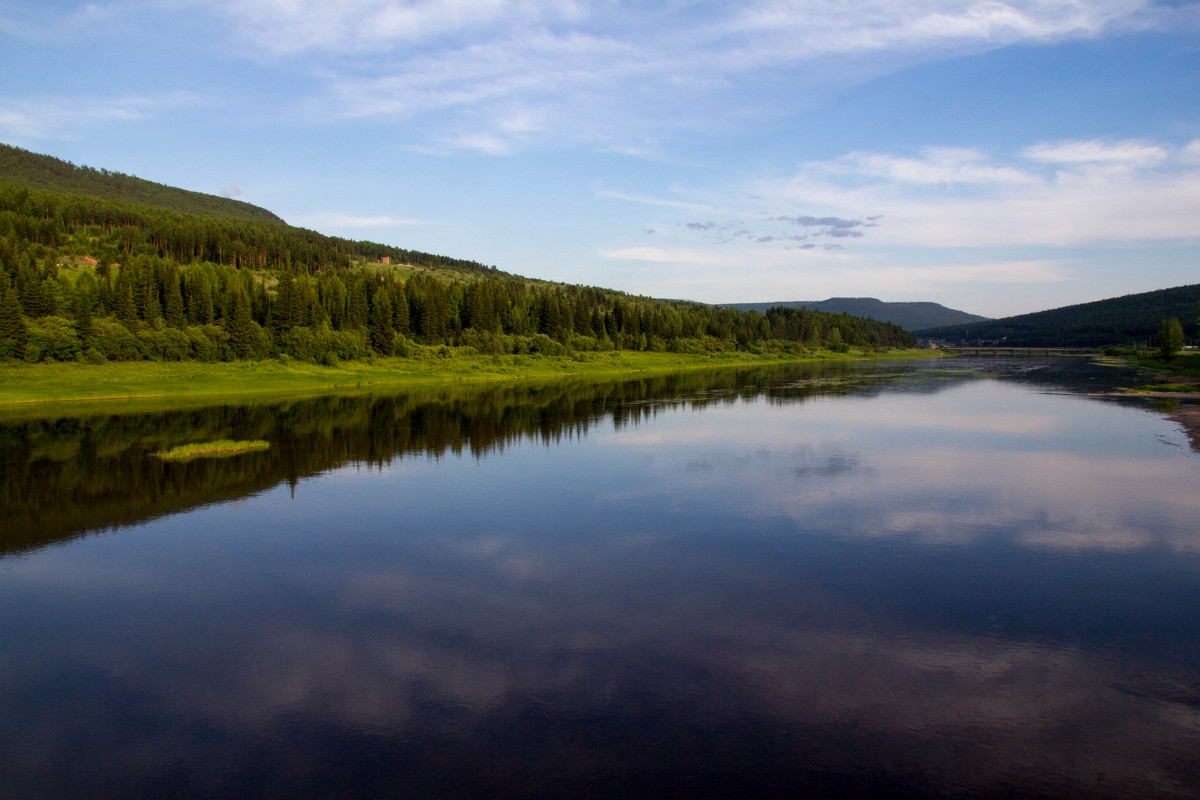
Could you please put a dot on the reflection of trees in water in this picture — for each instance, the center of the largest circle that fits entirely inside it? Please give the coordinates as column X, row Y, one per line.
column 67, row 476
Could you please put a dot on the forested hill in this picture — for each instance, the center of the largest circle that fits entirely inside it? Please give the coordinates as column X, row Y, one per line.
column 1129, row 320
column 911, row 316
column 35, row 171
column 87, row 278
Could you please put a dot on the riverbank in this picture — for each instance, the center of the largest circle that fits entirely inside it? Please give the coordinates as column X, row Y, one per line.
column 25, row 384
column 1178, row 378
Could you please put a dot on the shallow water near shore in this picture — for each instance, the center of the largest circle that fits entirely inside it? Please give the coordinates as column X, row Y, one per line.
column 950, row 578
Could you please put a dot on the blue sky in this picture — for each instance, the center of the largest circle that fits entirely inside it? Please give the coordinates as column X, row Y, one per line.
column 998, row 157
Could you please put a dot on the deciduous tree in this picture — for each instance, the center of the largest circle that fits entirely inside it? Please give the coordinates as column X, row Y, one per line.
column 1170, row 338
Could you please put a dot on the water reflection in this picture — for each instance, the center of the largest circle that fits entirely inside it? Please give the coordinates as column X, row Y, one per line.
column 735, row 591
column 68, row 475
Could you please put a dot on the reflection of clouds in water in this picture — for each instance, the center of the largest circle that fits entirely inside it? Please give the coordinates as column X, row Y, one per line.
column 1057, row 500
column 1070, row 474
column 984, row 422
column 399, row 642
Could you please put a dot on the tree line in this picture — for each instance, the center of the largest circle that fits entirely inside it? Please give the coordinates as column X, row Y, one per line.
column 83, row 278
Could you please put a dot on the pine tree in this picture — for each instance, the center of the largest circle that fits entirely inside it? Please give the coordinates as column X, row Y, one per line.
column 151, row 307
column 285, row 312
column 399, row 307
column 382, row 333
column 359, row 305
column 83, row 317
column 174, row 306
column 199, row 299
column 126, row 309
column 14, row 334
column 32, row 288
column 260, row 303
column 241, row 325
column 333, row 297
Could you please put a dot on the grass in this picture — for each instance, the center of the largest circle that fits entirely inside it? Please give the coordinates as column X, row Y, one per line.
column 1166, row 387
column 22, row 384
column 218, row 449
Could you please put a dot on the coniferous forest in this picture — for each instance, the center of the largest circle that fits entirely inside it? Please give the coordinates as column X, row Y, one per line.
column 84, row 276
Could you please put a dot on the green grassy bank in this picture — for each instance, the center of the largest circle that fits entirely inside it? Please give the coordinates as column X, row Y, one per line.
column 74, row 382
column 219, row 448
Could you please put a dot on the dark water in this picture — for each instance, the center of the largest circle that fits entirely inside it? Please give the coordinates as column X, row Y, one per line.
column 946, row 579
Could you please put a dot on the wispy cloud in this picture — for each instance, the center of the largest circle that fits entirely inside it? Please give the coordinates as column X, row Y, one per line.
column 339, row 220
column 1000, row 272
column 616, row 76
column 1126, row 153
column 503, row 76
column 62, row 116
column 294, row 26
column 934, row 166
column 685, row 256
column 614, row 194
column 815, row 28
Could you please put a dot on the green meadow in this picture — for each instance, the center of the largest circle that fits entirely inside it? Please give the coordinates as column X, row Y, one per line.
column 68, row 382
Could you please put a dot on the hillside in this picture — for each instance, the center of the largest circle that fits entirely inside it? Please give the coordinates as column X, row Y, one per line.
column 183, row 225
column 910, row 316
column 32, row 170
column 1129, row 320
column 101, row 279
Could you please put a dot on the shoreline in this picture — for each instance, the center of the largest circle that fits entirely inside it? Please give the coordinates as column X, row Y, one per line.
column 1162, row 395
column 27, row 387
column 1188, row 418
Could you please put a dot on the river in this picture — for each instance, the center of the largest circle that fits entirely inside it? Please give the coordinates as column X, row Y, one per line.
column 967, row 577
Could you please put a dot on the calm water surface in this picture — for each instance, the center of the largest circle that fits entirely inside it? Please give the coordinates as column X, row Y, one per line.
column 961, row 578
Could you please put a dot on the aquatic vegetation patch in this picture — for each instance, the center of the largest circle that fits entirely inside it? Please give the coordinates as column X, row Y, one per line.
column 217, row 449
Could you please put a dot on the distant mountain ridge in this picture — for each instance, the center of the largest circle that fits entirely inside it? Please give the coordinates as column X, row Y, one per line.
column 910, row 315
column 35, row 171
column 1132, row 319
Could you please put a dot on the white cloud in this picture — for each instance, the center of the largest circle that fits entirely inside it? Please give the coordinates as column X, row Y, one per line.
column 339, row 220
column 950, row 165
column 937, row 165
column 1093, row 192
column 947, row 223
column 1191, row 153
column 804, row 29
column 1127, row 153
column 1121, row 192
column 291, row 26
